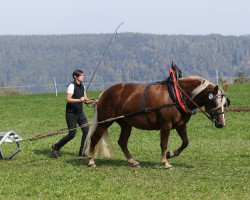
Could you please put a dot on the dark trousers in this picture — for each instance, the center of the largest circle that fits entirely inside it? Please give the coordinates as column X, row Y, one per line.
column 72, row 121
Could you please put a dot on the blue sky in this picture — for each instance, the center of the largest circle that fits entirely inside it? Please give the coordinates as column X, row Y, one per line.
column 27, row 17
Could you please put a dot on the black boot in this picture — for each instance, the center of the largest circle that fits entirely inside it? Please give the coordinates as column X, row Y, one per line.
column 54, row 153
column 81, row 152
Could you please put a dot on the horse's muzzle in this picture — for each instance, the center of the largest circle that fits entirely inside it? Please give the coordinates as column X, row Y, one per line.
column 219, row 125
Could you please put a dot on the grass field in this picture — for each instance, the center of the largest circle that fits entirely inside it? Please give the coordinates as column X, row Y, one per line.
column 214, row 166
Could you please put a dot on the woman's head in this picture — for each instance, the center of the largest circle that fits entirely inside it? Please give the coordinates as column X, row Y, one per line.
column 77, row 73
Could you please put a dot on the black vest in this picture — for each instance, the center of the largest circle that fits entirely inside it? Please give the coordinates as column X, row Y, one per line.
column 78, row 93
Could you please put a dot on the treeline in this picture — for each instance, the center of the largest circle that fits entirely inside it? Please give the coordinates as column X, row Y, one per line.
column 37, row 59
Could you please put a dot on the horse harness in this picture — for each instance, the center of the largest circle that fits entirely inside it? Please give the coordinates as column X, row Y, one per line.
column 145, row 110
column 175, row 94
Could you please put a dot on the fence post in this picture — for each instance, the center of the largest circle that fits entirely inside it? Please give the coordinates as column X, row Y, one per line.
column 55, row 86
column 217, row 78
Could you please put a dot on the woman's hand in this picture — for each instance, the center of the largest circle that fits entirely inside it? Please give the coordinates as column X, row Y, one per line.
column 82, row 99
column 94, row 101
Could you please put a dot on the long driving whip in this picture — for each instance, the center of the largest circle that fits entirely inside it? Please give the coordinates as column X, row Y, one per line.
column 114, row 35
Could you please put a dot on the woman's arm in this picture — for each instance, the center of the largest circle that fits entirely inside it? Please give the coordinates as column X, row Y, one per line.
column 69, row 99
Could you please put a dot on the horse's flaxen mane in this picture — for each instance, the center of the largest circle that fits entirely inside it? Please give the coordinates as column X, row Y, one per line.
column 204, row 83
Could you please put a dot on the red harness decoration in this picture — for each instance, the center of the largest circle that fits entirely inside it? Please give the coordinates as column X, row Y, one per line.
column 177, row 92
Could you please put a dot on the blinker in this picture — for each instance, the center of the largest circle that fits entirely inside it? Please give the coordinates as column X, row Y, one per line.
column 210, row 96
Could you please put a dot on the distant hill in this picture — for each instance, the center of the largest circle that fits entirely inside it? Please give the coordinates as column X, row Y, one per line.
column 37, row 59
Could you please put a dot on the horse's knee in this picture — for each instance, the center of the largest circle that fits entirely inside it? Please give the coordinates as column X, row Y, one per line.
column 185, row 144
column 96, row 137
column 123, row 140
column 121, row 143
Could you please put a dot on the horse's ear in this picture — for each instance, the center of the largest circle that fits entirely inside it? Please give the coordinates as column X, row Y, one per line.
column 228, row 102
column 216, row 89
column 225, row 87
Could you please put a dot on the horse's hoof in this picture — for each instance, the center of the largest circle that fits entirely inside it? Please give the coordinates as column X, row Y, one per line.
column 134, row 163
column 168, row 166
column 92, row 165
column 136, row 166
column 170, row 154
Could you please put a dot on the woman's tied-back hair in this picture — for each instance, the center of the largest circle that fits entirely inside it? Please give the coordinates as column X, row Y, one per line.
column 77, row 73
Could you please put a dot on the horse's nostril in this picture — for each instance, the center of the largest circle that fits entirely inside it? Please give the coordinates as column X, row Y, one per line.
column 219, row 125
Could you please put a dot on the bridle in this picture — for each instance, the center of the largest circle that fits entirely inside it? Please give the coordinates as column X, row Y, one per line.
column 191, row 100
column 214, row 105
column 212, row 99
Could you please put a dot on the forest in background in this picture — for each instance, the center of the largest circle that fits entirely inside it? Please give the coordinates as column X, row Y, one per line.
column 37, row 59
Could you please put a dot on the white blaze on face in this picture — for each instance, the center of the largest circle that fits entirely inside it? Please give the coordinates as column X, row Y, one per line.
column 221, row 101
column 223, row 115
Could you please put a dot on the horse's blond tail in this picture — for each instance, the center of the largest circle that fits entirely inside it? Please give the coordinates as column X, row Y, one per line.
column 103, row 147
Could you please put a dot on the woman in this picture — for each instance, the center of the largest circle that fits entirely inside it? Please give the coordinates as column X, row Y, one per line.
column 76, row 94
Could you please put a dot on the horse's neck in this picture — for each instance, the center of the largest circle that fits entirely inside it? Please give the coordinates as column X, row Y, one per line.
column 189, row 85
column 196, row 89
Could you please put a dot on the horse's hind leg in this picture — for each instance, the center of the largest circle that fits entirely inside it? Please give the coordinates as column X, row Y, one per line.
column 100, row 130
column 182, row 132
column 123, row 142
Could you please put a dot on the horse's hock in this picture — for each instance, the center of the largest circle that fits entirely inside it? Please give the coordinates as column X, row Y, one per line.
column 9, row 137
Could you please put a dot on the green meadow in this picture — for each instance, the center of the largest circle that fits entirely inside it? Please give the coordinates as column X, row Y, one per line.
column 215, row 165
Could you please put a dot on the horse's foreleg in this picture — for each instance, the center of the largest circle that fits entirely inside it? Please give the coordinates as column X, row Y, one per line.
column 182, row 132
column 123, row 142
column 164, row 143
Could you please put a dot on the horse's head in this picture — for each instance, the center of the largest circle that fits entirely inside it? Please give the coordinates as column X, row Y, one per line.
column 215, row 106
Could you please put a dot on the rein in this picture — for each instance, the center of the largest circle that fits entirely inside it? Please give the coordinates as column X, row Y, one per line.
column 148, row 110
column 60, row 131
column 141, row 110
column 90, row 105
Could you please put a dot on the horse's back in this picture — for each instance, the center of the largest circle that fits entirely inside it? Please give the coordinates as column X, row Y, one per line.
column 117, row 95
column 127, row 98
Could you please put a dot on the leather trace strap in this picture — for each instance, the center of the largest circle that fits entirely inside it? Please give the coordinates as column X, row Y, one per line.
column 144, row 97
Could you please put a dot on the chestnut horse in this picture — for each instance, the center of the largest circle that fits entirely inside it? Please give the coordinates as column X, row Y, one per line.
column 122, row 104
